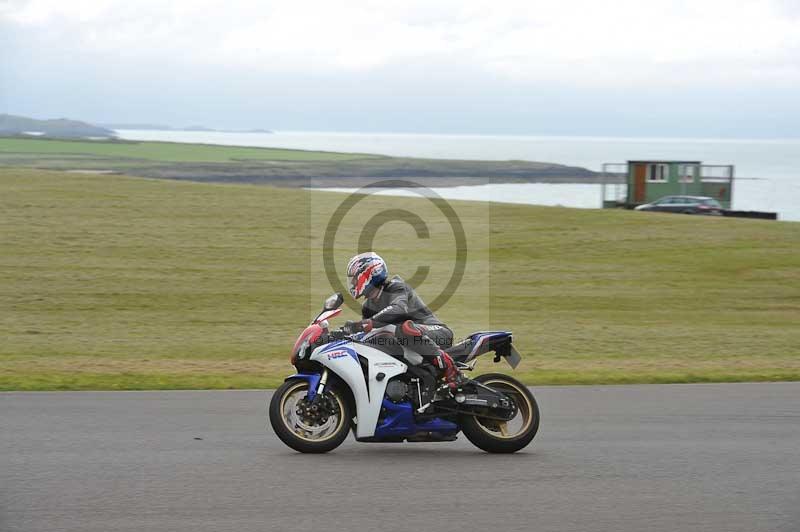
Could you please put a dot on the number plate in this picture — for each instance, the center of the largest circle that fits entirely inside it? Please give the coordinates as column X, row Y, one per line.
column 514, row 358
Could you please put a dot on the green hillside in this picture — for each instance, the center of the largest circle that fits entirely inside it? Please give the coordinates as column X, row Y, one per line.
column 274, row 166
column 164, row 151
column 60, row 127
column 111, row 282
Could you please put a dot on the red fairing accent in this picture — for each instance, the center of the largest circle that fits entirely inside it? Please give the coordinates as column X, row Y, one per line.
column 312, row 332
column 409, row 329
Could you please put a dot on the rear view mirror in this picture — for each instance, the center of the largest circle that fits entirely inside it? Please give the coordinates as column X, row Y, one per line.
column 333, row 302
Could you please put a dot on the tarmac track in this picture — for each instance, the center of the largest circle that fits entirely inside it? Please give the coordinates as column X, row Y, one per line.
column 721, row 457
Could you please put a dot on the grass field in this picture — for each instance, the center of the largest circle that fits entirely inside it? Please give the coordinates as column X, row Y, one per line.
column 112, row 282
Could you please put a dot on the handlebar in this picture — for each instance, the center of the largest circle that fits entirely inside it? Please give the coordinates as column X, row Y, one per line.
column 338, row 334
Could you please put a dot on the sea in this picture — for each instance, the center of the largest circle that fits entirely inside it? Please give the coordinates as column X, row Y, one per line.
column 767, row 170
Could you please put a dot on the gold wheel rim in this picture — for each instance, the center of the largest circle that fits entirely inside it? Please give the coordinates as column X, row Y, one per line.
column 302, row 430
column 500, row 429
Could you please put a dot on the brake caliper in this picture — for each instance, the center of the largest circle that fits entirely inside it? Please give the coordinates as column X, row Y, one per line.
column 317, row 411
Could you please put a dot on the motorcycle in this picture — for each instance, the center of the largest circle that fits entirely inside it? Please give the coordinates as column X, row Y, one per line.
column 371, row 383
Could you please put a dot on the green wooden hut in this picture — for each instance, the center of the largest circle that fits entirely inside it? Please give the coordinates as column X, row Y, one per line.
column 650, row 180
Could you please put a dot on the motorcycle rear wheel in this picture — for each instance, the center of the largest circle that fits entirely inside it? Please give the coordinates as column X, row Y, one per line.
column 292, row 425
column 494, row 436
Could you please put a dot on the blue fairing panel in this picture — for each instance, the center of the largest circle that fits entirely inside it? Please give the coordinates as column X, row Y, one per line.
column 399, row 421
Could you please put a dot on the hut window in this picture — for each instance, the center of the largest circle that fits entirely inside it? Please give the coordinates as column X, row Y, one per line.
column 687, row 173
column 657, row 173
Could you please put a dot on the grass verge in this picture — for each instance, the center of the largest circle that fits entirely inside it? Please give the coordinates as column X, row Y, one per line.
column 111, row 282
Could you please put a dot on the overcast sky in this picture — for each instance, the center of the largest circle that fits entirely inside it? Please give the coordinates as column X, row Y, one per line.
column 702, row 68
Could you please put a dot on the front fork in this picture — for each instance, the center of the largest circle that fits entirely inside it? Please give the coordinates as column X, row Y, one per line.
column 323, row 379
column 316, row 382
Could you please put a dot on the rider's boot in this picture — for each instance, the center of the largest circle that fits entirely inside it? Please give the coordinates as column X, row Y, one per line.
column 452, row 376
column 429, row 349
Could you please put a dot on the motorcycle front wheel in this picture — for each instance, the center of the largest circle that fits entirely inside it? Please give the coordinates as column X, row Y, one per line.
column 495, row 436
column 307, row 426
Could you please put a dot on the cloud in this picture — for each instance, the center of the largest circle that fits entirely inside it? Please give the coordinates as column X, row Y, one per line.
column 656, row 67
column 576, row 43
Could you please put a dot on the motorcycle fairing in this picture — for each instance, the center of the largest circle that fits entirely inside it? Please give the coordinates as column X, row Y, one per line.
column 308, row 336
column 399, row 422
column 479, row 343
column 342, row 358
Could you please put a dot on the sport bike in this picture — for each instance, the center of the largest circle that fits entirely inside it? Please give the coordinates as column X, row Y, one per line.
column 378, row 387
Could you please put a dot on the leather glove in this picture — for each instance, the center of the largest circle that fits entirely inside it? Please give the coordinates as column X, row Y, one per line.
column 352, row 327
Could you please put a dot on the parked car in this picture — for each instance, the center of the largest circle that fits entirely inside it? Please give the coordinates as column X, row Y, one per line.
column 684, row 205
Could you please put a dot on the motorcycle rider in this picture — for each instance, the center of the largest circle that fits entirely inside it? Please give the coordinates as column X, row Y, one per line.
column 393, row 301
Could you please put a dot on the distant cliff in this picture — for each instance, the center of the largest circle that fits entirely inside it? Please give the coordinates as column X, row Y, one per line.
column 162, row 127
column 151, row 127
column 11, row 125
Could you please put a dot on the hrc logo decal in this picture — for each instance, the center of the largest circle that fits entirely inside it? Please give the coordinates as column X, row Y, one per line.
column 337, row 354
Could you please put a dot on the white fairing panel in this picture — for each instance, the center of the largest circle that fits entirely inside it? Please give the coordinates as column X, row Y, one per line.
column 342, row 359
